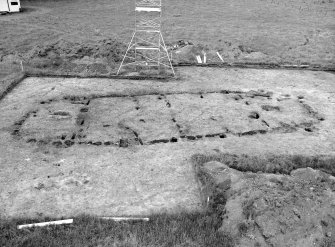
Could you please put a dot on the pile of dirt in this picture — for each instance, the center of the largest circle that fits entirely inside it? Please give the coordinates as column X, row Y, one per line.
column 109, row 49
column 103, row 57
column 230, row 52
column 66, row 57
column 262, row 209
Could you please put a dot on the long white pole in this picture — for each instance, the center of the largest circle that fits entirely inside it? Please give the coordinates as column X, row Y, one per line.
column 124, row 218
column 57, row 222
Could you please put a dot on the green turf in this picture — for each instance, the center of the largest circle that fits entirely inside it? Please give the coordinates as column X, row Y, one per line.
column 186, row 229
column 282, row 164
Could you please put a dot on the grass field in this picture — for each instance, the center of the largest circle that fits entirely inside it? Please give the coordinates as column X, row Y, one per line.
column 285, row 31
column 161, row 230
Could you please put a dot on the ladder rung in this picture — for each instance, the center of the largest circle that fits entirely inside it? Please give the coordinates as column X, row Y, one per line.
column 146, row 48
column 148, row 9
column 148, row 31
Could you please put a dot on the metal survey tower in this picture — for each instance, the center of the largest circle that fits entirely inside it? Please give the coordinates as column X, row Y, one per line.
column 147, row 47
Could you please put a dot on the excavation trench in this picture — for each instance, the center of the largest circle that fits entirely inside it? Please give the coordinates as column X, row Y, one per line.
column 120, row 147
column 149, row 119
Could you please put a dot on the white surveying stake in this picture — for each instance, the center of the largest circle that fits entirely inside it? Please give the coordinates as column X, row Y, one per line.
column 147, row 47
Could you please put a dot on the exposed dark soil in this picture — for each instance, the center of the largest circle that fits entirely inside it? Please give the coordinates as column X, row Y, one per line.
column 263, row 209
column 82, row 133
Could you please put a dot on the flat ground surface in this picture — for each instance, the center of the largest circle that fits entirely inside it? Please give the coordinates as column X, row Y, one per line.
column 123, row 147
column 282, row 31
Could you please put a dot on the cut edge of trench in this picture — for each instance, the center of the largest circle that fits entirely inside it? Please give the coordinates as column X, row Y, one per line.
column 23, row 75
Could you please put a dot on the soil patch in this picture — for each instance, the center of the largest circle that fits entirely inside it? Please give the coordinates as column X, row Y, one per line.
column 266, row 209
column 123, row 147
column 151, row 119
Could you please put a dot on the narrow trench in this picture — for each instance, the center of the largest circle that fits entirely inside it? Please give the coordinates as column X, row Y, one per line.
column 252, row 132
column 83, row 110
column 167, row 102
column 18, row 124
column 137, row 137
column 43, row 102
column 311, row 112
column 247, row 94
column 266, row 123
column 78, row 136
column 68, row 140
column 173, row 119
column 137, row 102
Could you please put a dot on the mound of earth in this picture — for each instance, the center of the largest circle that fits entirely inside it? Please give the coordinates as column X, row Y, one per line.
column 186, row 52
column 103, row 57
column 65, row 57
column 261, row 209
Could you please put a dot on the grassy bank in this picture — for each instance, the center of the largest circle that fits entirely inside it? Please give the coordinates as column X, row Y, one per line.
column 282, row 164
column 9, row 82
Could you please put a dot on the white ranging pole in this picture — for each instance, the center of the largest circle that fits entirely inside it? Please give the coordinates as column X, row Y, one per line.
column 117, row 219
column 49, row 223
column 147, row 46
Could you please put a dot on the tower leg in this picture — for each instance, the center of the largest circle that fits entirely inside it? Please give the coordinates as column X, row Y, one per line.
column 147, row 55
column 159, row 55
column 167, row 54
column 125, row 55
